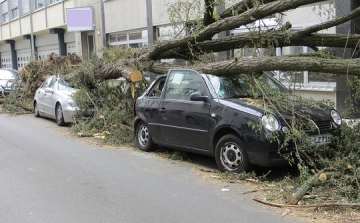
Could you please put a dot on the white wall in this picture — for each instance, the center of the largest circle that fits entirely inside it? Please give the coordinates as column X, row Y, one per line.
column 310, row 15
column 125, row 15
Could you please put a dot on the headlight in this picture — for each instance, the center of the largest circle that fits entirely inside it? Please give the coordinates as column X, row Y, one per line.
column 71, row 102
column 270, row 123
column 336, row 117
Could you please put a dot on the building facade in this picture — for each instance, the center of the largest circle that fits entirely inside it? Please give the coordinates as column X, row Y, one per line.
column 29, row 30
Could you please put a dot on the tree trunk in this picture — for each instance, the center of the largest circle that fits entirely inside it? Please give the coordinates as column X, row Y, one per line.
column 255, row 65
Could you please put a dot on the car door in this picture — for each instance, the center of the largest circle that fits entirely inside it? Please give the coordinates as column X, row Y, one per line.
column 49, row 105
column 40, row 95
column 149, row 109
column 184, row 122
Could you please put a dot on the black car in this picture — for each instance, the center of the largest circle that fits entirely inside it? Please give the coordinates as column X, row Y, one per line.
column 210, row 115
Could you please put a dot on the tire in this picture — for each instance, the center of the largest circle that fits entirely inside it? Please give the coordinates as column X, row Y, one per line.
column 36, row 110
column 230, row 155
column 143, row 138
column 59, row 115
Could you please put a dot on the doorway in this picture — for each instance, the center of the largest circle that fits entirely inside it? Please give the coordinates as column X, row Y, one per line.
column 90, row 40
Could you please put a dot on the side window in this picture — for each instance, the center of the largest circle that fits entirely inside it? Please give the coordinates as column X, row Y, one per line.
column 46, row 83
column 182, row 83
column 157, row 89
column 52, row 82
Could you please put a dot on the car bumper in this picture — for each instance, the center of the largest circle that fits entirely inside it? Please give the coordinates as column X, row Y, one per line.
column 265, row 152
column 70, row 114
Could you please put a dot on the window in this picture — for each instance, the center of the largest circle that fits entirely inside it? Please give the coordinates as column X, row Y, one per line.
column 157, row 89
column 182, row 83
column 25, row 7
column 5, row 11
column 5, row 17
column 39, row 4
column 14, row 9
column 14, row 13
column 135, row 39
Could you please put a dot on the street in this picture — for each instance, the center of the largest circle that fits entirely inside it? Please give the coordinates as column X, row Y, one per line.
column 48, row 176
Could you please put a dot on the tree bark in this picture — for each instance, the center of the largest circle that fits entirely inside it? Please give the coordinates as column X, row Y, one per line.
column 244, row 65
column 247, row 40
column 255, row 65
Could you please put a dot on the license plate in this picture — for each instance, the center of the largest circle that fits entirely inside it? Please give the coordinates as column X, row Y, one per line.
column 320, row 139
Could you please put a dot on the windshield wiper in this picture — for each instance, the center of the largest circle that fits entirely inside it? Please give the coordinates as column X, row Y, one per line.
column 240, row 96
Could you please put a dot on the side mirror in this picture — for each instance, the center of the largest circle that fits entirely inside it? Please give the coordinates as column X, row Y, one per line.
column 49, row 90
column 197, row 96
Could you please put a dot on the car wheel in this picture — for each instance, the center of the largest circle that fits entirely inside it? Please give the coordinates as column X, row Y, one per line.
column 230, row 155
column 143, row 137
column 36, row 110
column 59, row 115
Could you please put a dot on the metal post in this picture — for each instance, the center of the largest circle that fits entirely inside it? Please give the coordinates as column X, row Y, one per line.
column 32, row 33
column 150, row 28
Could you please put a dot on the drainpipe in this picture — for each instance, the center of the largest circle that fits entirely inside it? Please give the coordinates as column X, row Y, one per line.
column 103, row 24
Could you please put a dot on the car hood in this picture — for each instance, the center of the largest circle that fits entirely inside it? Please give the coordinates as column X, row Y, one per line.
column 67, row 93
column 256, row 107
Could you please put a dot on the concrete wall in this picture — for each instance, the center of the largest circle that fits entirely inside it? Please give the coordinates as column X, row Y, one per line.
column 4, row 47
column 125, row 15
column 59, row 18
column 317, row 95
column 22, row 44
column 25, row 25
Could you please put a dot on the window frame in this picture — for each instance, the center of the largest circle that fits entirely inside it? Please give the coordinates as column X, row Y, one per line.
column 39, row 4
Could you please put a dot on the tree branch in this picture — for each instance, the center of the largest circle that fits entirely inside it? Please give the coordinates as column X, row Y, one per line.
column 352, row 15
column 241, row 7
column 264, row 40
column 253, row 65
column 208, row 32
column 309, row 205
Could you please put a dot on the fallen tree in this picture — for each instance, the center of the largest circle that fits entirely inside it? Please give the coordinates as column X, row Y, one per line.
column 114, row 115
column 199, row 42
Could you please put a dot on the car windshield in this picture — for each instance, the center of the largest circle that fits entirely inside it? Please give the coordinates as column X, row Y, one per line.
column 243, row 86
column 64, row 85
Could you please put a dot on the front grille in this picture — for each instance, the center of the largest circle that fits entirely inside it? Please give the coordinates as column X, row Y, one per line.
column 308, row 126
column 323, row 125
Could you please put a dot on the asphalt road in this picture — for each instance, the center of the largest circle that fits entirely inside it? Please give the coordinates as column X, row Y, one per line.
column 46, row 176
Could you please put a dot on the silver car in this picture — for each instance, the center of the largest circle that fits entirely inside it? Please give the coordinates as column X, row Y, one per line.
column 53, row 99
column 10, row 80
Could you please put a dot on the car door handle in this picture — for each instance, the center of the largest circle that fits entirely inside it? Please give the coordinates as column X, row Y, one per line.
column 162, row 110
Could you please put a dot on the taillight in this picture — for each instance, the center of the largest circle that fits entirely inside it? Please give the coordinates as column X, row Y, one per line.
column 134, row 112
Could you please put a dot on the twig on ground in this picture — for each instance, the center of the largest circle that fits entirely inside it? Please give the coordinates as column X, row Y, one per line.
column 351, row 205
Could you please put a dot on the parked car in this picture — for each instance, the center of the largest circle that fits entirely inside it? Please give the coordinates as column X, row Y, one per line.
column 207, row 114
column 10, row 80
column 53, row 99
